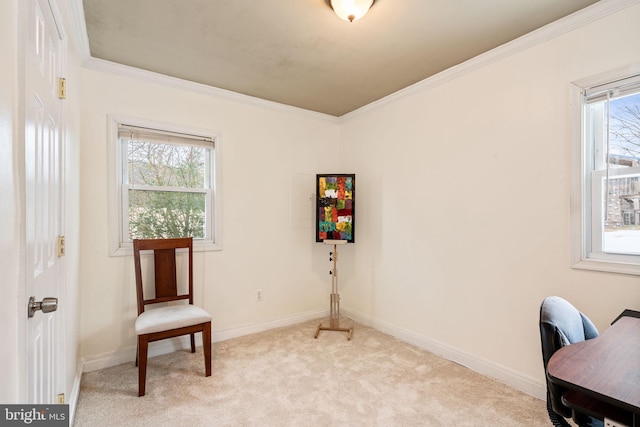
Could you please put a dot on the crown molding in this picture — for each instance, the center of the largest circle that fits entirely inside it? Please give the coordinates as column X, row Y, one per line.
column 79, row 29
column 543, row 34
column 562, row 26
column 202, row 89
column 96, row 64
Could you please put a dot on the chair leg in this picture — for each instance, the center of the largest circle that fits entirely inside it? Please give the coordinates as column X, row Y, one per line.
column 193, row 343
column 143, row 346
column 206, row 345
column 556, row 419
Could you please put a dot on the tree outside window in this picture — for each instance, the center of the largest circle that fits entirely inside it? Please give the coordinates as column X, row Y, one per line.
column 167, row 190
column 166, row 184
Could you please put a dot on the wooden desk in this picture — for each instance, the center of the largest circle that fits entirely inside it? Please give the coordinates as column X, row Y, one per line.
column 606, row 368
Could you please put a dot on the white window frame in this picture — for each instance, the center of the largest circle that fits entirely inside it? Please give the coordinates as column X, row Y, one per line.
column 584, row 181
column 117, row 203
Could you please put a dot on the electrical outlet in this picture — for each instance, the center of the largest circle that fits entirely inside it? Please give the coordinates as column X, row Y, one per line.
column 611, row 423
column 259, row 294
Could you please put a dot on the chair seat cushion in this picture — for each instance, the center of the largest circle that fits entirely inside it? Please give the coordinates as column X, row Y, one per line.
column 170, row 317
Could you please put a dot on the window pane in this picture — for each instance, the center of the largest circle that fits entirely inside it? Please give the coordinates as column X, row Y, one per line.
column 165, row 214
column 622, row 223
column 621, row 228
column 166, row 165
column 624, row 131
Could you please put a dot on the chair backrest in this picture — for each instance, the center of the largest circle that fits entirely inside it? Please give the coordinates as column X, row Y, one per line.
column 165, row 271
column 561, row 324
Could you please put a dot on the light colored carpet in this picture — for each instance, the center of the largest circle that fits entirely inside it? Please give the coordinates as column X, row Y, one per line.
column 285, row 377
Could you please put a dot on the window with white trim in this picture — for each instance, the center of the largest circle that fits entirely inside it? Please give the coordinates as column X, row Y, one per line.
column 166, row 181
column 609, row 168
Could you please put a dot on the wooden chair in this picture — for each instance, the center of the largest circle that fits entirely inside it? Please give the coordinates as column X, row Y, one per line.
column 170, row 320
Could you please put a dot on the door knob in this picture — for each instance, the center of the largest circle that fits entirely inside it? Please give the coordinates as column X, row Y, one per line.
column 47, row 305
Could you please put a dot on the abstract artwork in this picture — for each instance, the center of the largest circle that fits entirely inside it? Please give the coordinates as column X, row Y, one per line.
column 335, row 207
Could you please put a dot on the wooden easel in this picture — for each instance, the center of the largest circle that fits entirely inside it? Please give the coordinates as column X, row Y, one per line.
column 334, row 303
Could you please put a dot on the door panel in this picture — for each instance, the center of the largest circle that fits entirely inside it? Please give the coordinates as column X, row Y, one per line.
column 43, row 202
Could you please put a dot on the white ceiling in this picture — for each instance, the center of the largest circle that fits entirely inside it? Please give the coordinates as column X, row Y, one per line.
column 299, row 53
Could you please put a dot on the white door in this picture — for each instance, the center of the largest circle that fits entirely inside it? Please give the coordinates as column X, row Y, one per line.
column 43, row 204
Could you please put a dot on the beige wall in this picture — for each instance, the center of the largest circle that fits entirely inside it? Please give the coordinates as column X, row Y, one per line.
column 463, row 200
column 462, row 207
column 267, row 154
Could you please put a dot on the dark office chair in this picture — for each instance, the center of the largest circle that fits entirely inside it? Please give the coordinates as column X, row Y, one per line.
column 562, row 324
column 170, row 320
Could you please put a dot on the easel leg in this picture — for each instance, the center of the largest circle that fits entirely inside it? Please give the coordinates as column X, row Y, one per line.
column 324, row 328
column 334, row 319
column 334, row 303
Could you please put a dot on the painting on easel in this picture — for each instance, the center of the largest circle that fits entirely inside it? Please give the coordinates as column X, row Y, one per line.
column 335, row 207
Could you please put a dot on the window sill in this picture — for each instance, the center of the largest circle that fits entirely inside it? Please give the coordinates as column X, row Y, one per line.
column 197, row 247
column 607, row 266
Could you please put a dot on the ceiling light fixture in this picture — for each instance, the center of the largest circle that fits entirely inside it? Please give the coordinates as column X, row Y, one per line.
column 350, row 10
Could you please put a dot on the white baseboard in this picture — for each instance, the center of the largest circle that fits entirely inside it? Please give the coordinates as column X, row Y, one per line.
column 265, row 326
column 524, row 383
column 128, row 354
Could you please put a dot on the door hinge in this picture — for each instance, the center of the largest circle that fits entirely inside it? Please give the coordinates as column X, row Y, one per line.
column 61, row 248
column 62, row 88
column 60, row 399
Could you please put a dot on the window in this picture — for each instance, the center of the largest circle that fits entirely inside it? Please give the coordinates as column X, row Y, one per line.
column 165, row 185
column 609, row 182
